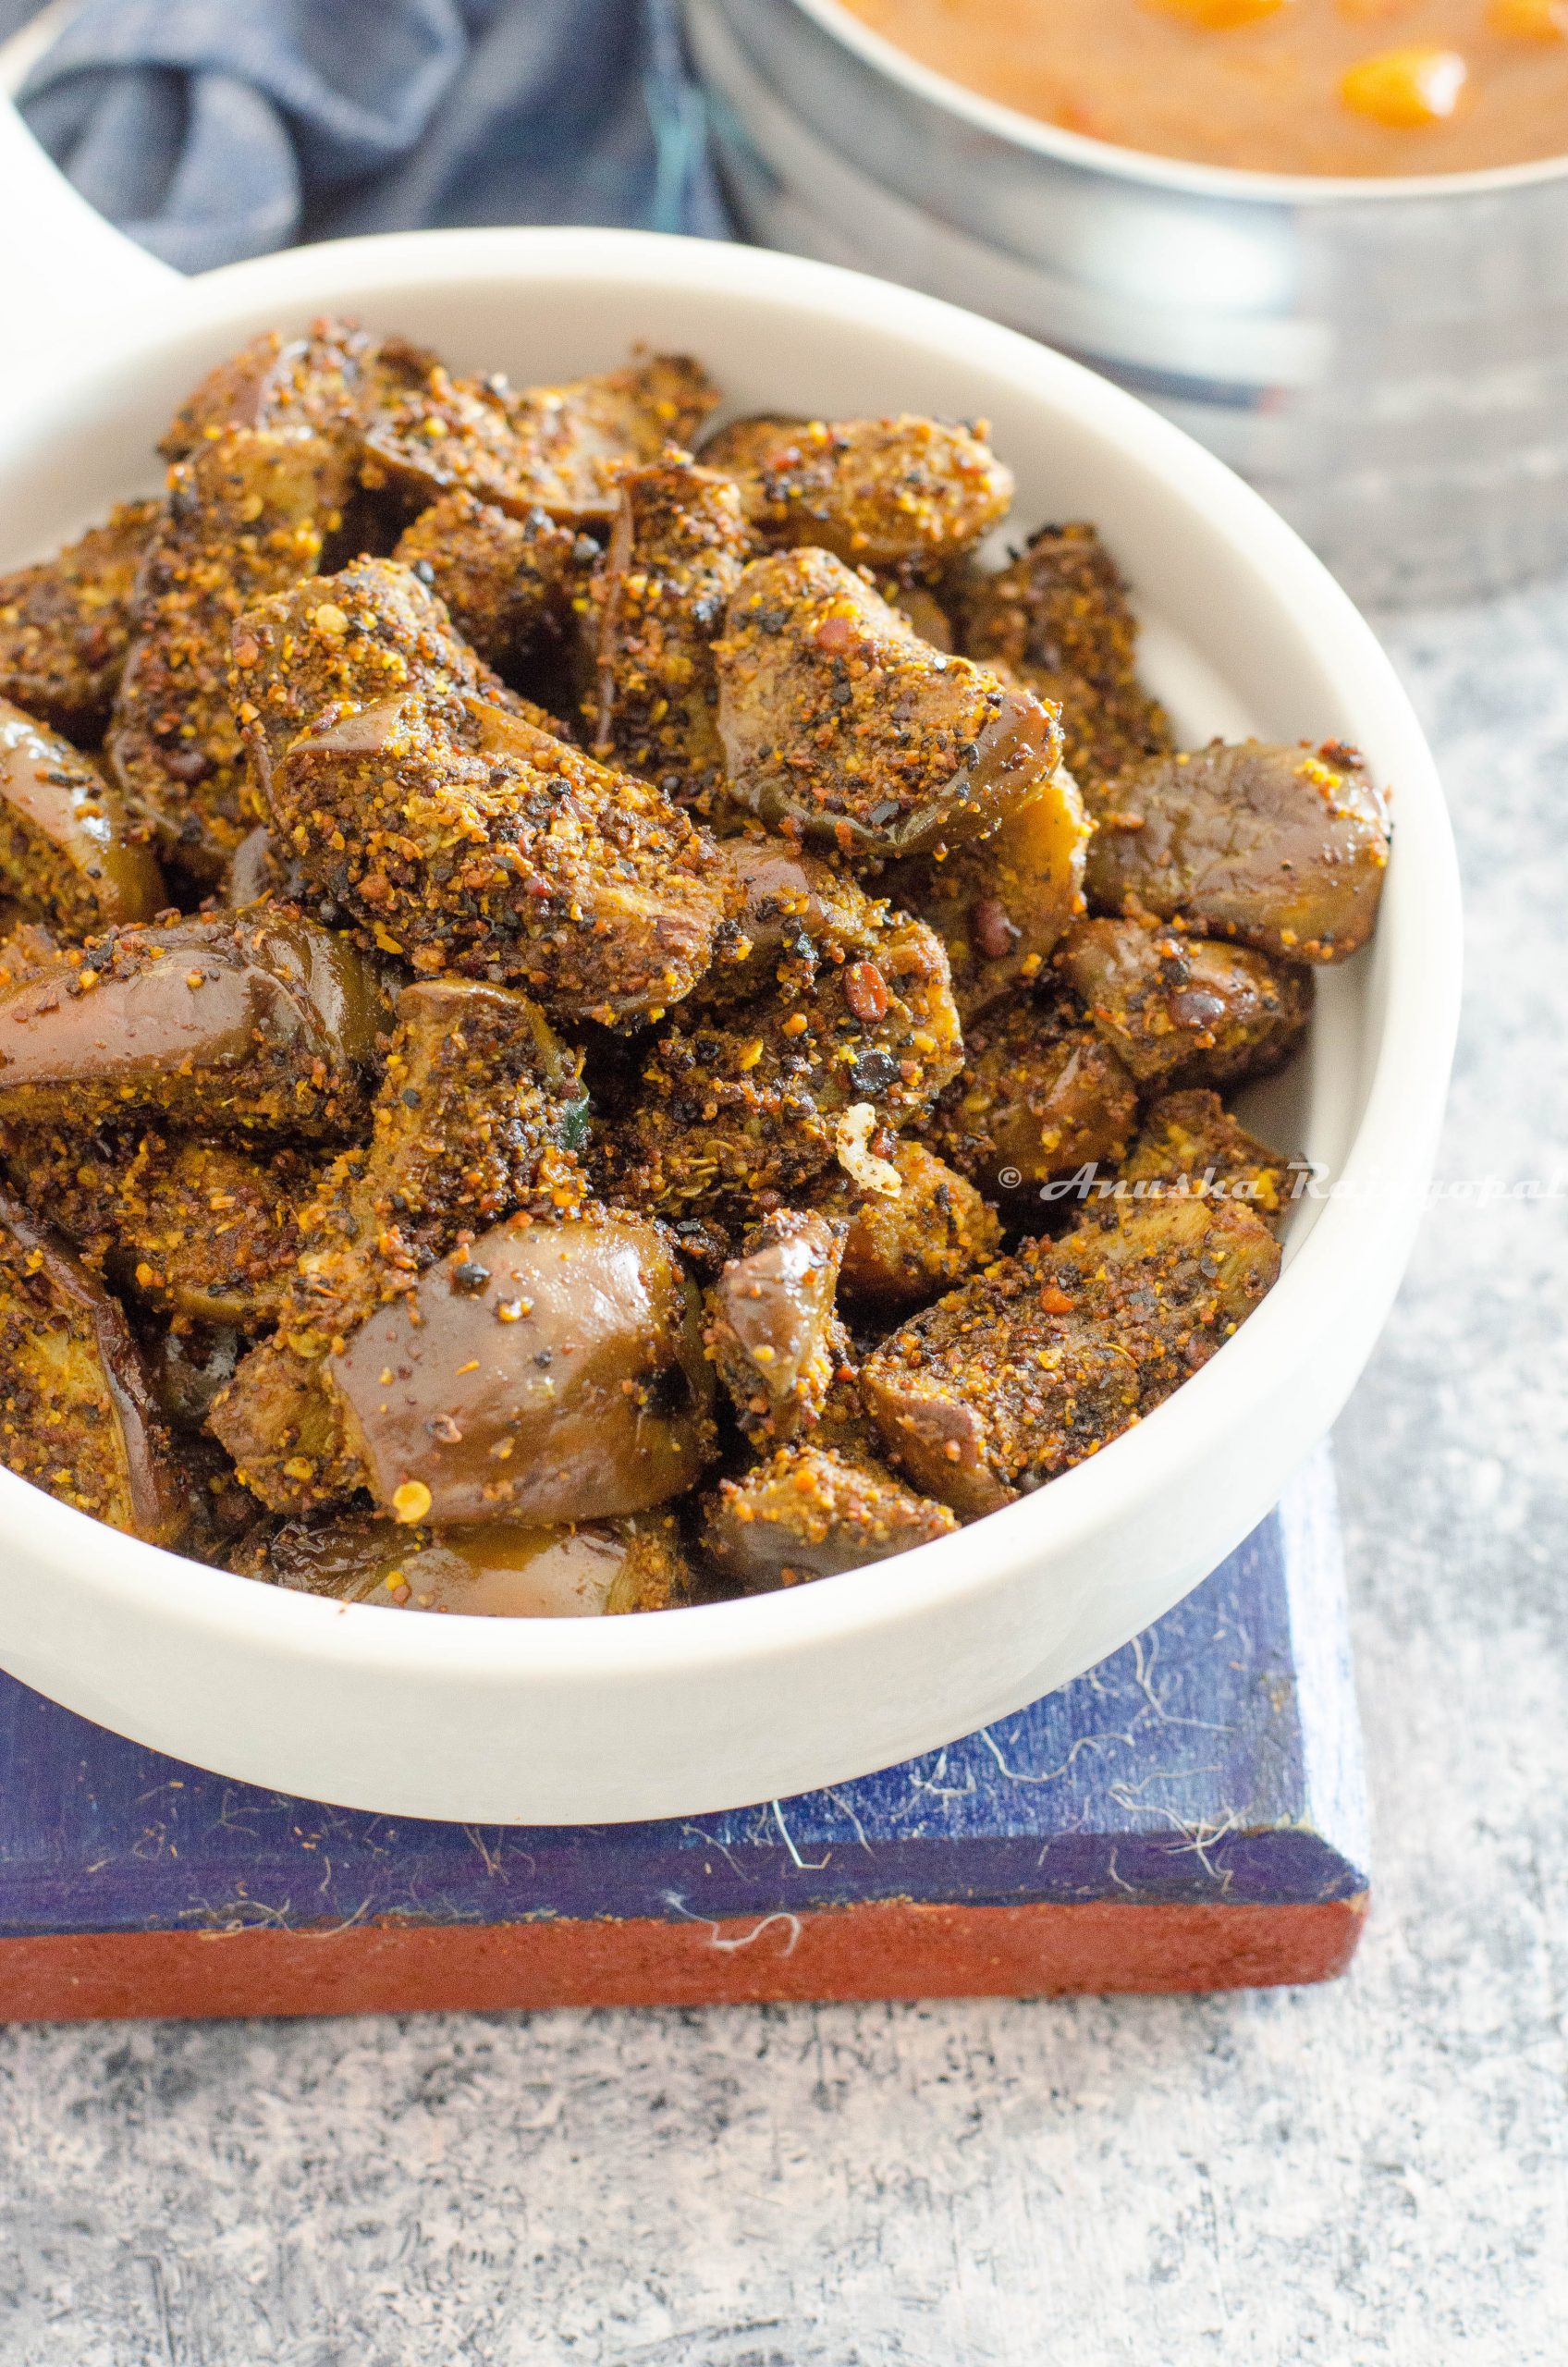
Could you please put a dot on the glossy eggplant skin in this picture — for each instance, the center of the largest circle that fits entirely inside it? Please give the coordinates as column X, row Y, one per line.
column 77, row 1410
column 260, row 1027
column 1284, row 848
column 772, row 1331
column 487, row 1570
column 809, row 1511
column 841, row 723
column 1181, row 1009
column 67, row 849
column 569, row 1383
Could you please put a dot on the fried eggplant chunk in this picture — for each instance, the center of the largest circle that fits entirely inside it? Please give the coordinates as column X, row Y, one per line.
column 201, row 1230
column 761, row 1101
column 570, row 1383
column 462, row 837
column 1043, row 1359
column 558, row 448
column 839, row 723
column 1057, row 617
column 787, row 915
column 772, row 1332
column 1179, row 1010
column 1284, row 848
column 479, row 1114
column 65, row 624
column 334, row 646
column 904, row 1248
column 263, row 1026
column 485, row 1570
column 1001, row 904
column 246, row 517
column 1041, row 1096
column 1190, row 1143
column 77, row 1413
column 677, row 552
column 318, row 381
column 903, row 493
column 508, row 583
column 66, row 847
column 809, row 1512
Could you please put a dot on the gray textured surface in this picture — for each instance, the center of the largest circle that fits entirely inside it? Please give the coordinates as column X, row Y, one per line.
column 1367, row 2173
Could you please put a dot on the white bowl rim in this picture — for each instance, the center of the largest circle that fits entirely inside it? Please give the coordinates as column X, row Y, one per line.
column 1385, row 1170
column 1232, row 182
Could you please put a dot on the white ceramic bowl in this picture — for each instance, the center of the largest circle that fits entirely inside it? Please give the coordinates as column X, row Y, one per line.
column 598, row 1720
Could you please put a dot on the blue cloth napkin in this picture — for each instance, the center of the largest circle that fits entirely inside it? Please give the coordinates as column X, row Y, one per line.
column 213, row 130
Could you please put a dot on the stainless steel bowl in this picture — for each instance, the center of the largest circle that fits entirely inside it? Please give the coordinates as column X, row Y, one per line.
column 1386, row 360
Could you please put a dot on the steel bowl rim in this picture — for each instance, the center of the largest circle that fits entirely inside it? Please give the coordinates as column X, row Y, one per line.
column 1171, row 175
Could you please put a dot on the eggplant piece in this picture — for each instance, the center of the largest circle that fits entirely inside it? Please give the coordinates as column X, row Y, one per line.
column 487, row 1570
column 1046, row 1357
column 479, row 1113
column 740, row 1113
column 26, row 946
column 903, row 1250
column 259, row 873
column 558, row 448
column 317, row 381
column 787, row 915
column 1180, row 1009
column 772, row 1332
column 461, row 837
column 810, row 1511
column 1190, row 1143
column 1001, row 904
column 903, row 493
column 676, row 551
column 65, row 624
column 569, row 1383
column 254, row 1027
column 66, row 847
column 1041, row 1096
column 340, row 644
column 839, row 722
column 196, row 1230
column 1284, row 848
column 1058, row 620
column 285, row 1428
column 77, row 1412
column 510, row 584
column 246, row 517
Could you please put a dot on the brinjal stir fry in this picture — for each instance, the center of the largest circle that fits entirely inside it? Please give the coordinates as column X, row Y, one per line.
column 594, row 1012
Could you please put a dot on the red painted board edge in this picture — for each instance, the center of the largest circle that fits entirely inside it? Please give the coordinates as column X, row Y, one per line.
column 889, row 1949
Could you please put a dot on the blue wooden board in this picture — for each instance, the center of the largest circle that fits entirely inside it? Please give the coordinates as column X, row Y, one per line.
column 1215, row 1760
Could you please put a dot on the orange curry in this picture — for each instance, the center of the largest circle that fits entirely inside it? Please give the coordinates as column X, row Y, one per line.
column 1290, row 86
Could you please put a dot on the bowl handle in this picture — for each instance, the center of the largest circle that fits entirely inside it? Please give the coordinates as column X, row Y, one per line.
column 64, row 270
